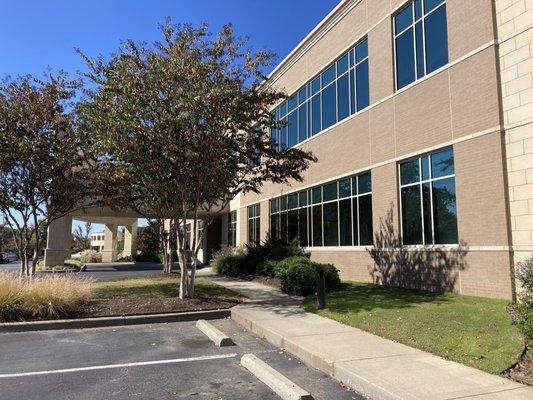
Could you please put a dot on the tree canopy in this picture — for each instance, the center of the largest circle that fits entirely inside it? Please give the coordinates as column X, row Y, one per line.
column 182, row 128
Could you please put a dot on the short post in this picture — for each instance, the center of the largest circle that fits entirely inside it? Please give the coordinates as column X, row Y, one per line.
column 320, row 287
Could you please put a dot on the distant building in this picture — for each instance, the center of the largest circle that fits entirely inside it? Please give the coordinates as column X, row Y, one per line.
column 97, row 241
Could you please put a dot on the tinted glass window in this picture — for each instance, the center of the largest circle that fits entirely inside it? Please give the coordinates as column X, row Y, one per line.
column 344, row 188
column 361, row 51
column 442, row 163
column 316, row 112
column 411, row 215
column 436, row 40
column 345, row 222
column 445, row 211
column 302, row 122
column 404, row 19
column 317, row 226
column 293, row 129
column 342, row 65
column 329, row 106
column 365, row 184
column 365, row 220
column 328, row 76
column 410, row 172
column 405, row 60
column 343, row 97
column 330, row 191
column 363, row 90
column 331, row 228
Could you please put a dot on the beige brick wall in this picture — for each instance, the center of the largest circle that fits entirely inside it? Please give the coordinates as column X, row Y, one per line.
column 460, row 106
column 515, row 36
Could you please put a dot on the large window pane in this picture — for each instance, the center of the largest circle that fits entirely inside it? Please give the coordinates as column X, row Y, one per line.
column 365, row 220
column 283, row 226
column 329, row 106
column 426, row 203
column 331, row 232
column 317, row 195
column 364, row 183
column 411, row 215
column 405, row 59
column 403, row 19
column 353, row 97
column 410, row 172
column 431, row 4
column 363, row 91
column 292, row 103
column 317, row 226
column 328, row 76
column 361, row 51
column 274, row 226
column 436, row 40
column 315, row 85
column 344, row 188
column 292, row 225
column 442, row 163
column 342, row 65
column 355, row 220
column 302, row 122
column 292, row 201
column 419, row 35
column 343, row 97
column 302, row 227
column 445, row 211
column 315, row 115
column 293, row 129
column 330, row 191
column 345, row 222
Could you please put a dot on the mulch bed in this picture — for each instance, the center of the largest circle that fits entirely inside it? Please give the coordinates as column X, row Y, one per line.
column 523, row 370
column 141, row 305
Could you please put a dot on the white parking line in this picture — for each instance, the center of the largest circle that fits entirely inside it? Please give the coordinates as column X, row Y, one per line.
column 135, row 364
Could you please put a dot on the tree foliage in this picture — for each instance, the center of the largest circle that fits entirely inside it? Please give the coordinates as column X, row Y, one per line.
column 182, row 124
column 45, row 168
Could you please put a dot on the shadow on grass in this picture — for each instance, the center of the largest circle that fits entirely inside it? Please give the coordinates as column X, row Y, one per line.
column 355, row 297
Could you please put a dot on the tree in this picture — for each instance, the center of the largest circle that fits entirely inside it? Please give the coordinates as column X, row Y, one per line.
column 183, row 126
column 149, row 238
column 45, row 168
column 81, row 237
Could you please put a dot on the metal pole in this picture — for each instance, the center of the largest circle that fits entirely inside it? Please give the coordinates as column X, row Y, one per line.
column 320, row 288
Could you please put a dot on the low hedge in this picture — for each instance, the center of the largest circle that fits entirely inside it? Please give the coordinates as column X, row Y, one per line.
column 298, row 276
column 231, row 262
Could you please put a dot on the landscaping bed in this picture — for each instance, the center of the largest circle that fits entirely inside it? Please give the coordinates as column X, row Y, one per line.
column 155, row 294
column 474, row 331
column 60, row 296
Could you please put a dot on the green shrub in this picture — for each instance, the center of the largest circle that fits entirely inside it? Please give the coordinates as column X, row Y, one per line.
column 153, row 258
column 525, row 275
column 524, row 308
column 268, row 268
column 524, row 318
column 231, row 261
column 271, row 250
column 71, row 264
column 298, row 276
column 91, row 256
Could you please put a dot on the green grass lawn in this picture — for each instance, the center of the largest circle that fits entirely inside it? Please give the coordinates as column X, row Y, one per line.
column 471, row 330
column 157, row 287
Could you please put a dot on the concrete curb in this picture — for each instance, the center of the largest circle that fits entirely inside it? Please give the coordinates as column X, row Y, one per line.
column 220, row 338
column 112, row 321
column 281, row 385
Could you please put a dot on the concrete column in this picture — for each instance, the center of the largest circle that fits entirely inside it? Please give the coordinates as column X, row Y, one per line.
column 58, row 241
column 109, row 254
column 130, row 240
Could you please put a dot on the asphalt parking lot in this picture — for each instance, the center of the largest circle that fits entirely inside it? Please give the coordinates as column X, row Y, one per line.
column 160, row 361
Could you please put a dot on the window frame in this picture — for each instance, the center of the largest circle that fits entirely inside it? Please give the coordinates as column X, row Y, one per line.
column 420, row 183
column 232, row 228
column 310, row 205
column 282, row 111
column 255, row 220
column 422, row 19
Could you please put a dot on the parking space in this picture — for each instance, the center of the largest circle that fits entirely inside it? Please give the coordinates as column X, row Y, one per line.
column 160, row 361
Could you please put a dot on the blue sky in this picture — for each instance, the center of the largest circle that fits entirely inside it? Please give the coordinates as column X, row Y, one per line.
column 41, row 34
column 38, row 34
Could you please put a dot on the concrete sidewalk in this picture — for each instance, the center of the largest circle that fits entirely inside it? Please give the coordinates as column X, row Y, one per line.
column 377, row 367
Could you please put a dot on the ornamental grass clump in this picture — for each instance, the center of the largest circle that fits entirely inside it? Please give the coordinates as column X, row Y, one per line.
column 11, row 298
column 43, row 298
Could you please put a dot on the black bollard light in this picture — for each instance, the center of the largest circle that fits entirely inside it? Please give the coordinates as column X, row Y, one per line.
column 320, row 288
